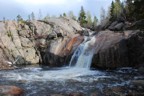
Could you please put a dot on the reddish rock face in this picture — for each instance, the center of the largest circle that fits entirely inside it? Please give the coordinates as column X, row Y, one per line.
column 73, row 43
column 11, row 90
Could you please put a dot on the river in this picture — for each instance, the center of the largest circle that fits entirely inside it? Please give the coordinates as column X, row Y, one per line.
column 37, row 81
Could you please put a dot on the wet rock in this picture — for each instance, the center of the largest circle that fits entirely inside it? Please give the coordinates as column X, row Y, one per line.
column 59, row 50
column 76, row 94
column 56, row 95
column 115, row 91
column 119, row 49
column 141, row 69
column 56, row 52
column 115, row 26
column 119, row 26
column 137, row 25
column 111, row 50
column 135, row 94
column 96, row 94
column 4, row 64
column 138, row 83
column 10, row 90
column 135, row 47
column 111, row 27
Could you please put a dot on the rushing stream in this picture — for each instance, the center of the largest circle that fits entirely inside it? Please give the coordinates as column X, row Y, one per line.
column 78, row 77
column 82, row 57
column 39, row 82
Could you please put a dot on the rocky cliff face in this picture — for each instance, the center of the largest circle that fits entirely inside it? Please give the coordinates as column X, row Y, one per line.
column 118, row 49
column 53, row 42
column 24, row 42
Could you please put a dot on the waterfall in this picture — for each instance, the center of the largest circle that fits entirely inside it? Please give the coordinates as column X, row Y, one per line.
column 82, row 57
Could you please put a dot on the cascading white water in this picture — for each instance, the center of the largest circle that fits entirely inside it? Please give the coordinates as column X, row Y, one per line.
column 82, row 57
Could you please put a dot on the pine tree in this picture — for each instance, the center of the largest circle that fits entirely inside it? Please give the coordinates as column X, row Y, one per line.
column 95, row 21
column 4, row 19
column 134, row 9
column 19, row 18
column 64, row 15
column 32, row 16
column 60, row 15
column 46, row 17
column 102, row 16
column 138, row 11
column 40, row 15
column 117, row 8
column 29, row 17
column 82, row 17
column 89, row 20
column 112, row 16
column 71, row 15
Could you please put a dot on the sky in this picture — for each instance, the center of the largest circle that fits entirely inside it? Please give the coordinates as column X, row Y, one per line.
column 11, row 8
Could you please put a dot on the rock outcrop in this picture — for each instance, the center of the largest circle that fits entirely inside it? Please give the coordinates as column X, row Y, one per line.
column 28, row 42
column 53, row 42
column 119, row 49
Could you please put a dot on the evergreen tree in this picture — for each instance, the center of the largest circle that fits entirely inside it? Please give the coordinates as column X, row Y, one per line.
column 4, row 20
column 138, row 9
column 82, row 17
column 134, row 9
column 95, row 21
column 64, row 15
column 112, row 16
column 46, row 17
column 102, row 16
column 60, row 15
column 19, row 18
column 29, row 17
column 40, row 15
column 117, row 8
column 89, row 20
column 32, row 16
column 71, row 15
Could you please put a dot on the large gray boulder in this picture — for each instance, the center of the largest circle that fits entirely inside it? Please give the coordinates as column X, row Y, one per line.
column 23, row 42
column 120, row 49
column 117, row 26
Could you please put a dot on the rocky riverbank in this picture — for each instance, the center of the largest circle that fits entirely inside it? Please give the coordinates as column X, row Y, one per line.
column 53, row 42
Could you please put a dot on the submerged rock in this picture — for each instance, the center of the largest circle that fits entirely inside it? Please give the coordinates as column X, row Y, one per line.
column 10, row 90
column 76, row 94
column 56, row 95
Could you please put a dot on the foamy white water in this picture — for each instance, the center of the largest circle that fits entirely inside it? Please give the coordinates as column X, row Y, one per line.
column 82, row 57
column 37, row 74
column 81, row 62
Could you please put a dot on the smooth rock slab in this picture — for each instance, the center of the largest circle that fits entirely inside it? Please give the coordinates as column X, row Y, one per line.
column 10, row 90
